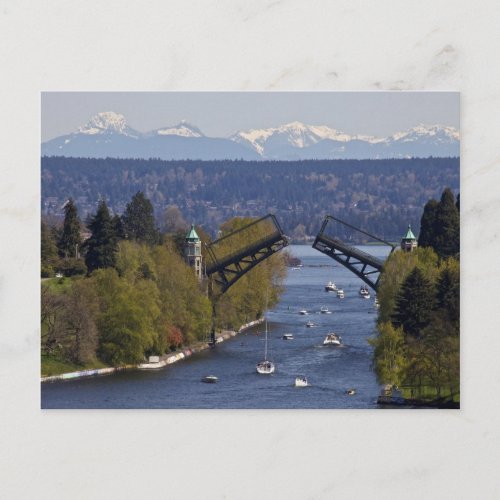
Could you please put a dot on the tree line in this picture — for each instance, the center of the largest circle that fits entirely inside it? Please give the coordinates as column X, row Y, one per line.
column 418, row 343
column 127, row 293
column 379, row 195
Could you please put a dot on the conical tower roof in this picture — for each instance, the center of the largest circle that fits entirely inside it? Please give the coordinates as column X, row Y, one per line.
column 409, row 234
column 192, row 235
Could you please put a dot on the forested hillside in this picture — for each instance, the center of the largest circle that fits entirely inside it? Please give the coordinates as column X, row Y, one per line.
column 380, row 195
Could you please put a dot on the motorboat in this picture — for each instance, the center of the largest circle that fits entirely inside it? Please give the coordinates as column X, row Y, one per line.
column 340, row 293
column 332, row 339
column 364, row 292
column 301, row 381
column 303, row 312
column 376, row 303
column 309, row 324
column 210, row 379
column 330, row 287
column 265, row 367
column 324, row 310
column 287, row 336
column 350, row 392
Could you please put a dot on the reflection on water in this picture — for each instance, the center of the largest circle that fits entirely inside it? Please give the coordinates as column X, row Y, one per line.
column 330, row 370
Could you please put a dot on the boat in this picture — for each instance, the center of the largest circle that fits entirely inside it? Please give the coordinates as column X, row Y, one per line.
column 301, row 381
column 210, row 379
column 303, row 312
column 332, row 339
column 330, row 287
column 265, row 367
column 364, row 292
column 309, row 324
column 340, row 293
column 287, row 336
column 350, row 392
column 324, row 310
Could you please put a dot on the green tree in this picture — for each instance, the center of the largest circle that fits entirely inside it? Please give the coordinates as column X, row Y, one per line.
column 389, row 354
column 101, row 246
column 447, row 224
column 448, row 294
column 396, row 269
column 70, row 242
column 48, row 250
column 414, row 303
column 427, row 235
column 127, row 317
column 138, row 220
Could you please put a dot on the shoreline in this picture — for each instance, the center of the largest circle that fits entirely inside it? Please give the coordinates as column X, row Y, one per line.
column 165, row 360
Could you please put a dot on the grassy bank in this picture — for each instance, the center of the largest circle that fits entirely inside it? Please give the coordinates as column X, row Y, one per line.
column 51, row 365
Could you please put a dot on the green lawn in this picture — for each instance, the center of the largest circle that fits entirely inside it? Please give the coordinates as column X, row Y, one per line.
column 55, row 366
column 429, row 394
column 58, row 285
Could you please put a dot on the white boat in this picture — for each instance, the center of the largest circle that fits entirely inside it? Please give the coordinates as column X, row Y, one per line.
column 265, row 367
column 309, row 324
column 287, row 336
column 376, row 303
column 350, row 392
column 303, row 312
column 301, row 381
column 364, row 292
column 332, row 339
column 340, row 293
column 210, row 379
column 330, row 287
column 324, row 310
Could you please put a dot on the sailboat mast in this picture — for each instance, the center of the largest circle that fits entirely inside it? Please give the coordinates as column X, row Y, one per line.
column 265, row 342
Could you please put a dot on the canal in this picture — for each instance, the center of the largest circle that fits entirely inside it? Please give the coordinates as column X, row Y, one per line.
column 331, row 371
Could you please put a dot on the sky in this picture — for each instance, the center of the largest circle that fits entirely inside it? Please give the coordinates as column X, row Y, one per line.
column 219, row 114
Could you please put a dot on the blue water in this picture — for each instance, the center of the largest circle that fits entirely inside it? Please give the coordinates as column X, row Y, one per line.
column 330, row 370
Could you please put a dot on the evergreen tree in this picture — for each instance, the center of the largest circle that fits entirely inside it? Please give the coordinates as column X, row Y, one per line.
column 448, row 295
column 102, row 245
column 118, row 227
column 138, row 220
column 48, row 247
column 447, row 226
column 427, row 234
column 414, row 303
column 70, row 241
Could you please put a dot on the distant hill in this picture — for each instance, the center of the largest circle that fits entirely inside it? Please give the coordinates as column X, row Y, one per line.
column 382, row 196
column 107, row 135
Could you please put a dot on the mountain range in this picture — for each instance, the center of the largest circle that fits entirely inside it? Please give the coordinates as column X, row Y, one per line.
column 108, row 135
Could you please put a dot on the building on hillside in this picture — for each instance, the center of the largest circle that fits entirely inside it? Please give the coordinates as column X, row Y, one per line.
column 192, row 252
column 409, row 242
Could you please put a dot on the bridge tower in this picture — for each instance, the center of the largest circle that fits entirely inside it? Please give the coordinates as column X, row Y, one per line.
column 192, row 252
column 409, row 242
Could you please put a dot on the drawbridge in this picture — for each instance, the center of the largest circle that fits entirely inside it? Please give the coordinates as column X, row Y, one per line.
column 232, row 256
column 362, row 264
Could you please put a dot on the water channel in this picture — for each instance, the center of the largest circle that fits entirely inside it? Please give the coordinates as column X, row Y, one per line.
column 330, row 370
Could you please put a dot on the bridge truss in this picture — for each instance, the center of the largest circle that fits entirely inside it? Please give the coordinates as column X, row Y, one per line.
column 362, row 264
column 228, row 260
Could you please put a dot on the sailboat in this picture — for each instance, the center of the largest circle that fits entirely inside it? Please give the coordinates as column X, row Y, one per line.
column 265, row 367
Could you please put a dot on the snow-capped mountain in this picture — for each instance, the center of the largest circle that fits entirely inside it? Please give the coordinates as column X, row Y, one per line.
column 297, row 140
column 183, row 129
column 108, row 122
column 108, row 135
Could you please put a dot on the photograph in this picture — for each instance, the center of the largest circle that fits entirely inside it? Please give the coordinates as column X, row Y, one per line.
column 250, row 250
